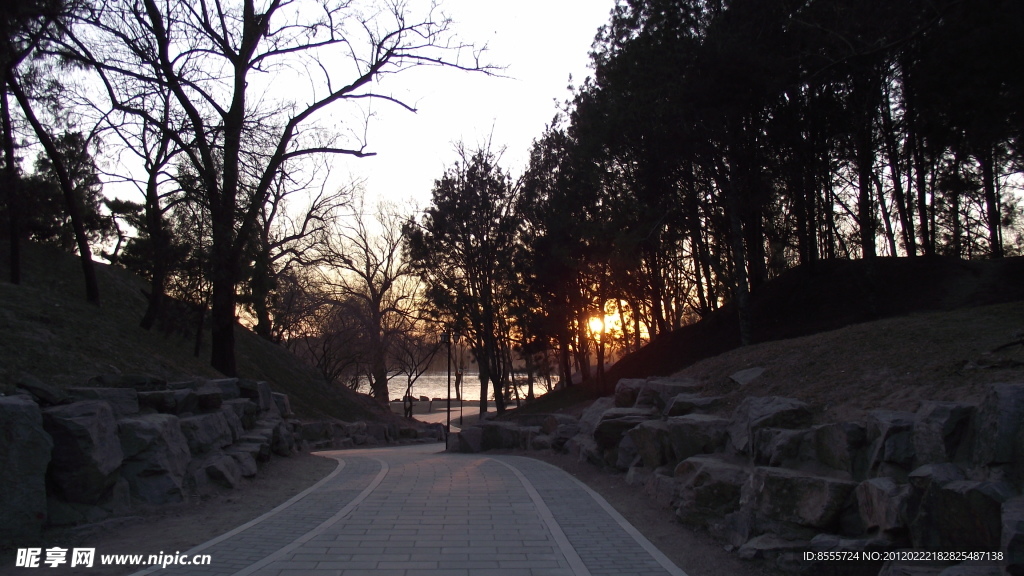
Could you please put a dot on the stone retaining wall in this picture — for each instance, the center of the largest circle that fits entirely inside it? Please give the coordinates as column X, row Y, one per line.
column 773, row 485
column 83, row 454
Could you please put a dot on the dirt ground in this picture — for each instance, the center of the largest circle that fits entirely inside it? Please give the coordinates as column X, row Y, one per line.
column 179, row 528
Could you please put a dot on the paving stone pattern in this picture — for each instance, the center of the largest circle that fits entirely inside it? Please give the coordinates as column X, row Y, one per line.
column 437, row 514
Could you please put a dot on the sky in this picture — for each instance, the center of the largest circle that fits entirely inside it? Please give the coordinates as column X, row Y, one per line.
column 540, row 42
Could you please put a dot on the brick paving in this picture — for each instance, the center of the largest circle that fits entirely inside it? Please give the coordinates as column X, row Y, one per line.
column 418, row 511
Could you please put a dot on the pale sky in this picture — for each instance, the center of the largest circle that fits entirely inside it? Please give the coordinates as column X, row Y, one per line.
column 541, row 42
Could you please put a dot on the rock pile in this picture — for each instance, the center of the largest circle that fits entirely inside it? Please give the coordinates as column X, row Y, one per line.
column 774, row 485
column 84, row 454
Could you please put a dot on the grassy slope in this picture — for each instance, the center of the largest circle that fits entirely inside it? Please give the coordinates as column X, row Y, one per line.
column 47, row 329
column 851, row 336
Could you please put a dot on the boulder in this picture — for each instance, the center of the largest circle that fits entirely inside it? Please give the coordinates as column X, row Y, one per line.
column 891, row 443
column 757, row 412
column 87, row 453
column 283, row 442
column 708, row 487
column 156, row 457
column 744, row 377
column 123, row 401
column 206, row 432
column 258, row 392
column 997, row 425
column 208, row 398
column 592, row 415
column 245, row 460
column 186, row 401
column 842, row 446
column 246, row 410
column 626, row 392
column 260, row 452
column 551, row 423
column 960, row 515
column 540, row 442
column 941, row 432
column 650, row 441
column 24, row 457
column 283, row 404
column 233, row 421
column 883, row 503
column 788, row 496
column 688, row 402
column 222, row 469
column 162, row 401
column 585, row 449
column 1012, row 538
column 780, row 447
column 470, row 439
column 695, row 434
column 615, row 422
column 45, row 394
column 228, row 387
column 625, row 455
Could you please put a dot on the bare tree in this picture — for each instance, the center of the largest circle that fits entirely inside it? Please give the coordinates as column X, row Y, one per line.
column 370, row 267
column 219, row 62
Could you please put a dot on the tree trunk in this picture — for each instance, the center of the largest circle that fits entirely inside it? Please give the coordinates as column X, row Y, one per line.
column 222, row 313
column 72, row 201
column 11, row 185
column 992, row 212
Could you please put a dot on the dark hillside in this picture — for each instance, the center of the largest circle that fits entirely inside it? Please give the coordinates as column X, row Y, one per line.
column 830, row 295
column 48, row 330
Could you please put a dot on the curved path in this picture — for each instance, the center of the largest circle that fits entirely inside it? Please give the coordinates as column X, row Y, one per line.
column 413, row 511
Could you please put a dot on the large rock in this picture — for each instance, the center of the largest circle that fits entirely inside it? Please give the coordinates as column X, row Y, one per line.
column 842, row 446
column 208, row 398
column 788, row 496
column 626, row 391
column 123, row 401
column 960, row 515
column 283, row 442
column 781, row 447
column 708, row 487
column 941, row 431
column 246, row 410
column 883, row 504
column 234, row 422
column 695, row 434
column 284, row 405
column 757, row 412
column 228, row 387
column 616, row 422
column 220, row 468
column 592, row 415
column 45, row 394
column 258, row 392
column 688, row 402
column 87, row 453
column 156, row 457
column 890, row 436
column 24, row 456
column 206, row 432
column 162, row 401
column 650, row 439
column 997, row 425
column 470, row 439
column 1012, row 541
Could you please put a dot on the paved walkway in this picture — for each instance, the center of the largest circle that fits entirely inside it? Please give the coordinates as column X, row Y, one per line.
column 415, row 510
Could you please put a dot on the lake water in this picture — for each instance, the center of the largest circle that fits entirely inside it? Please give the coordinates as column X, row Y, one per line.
column 435, row 385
